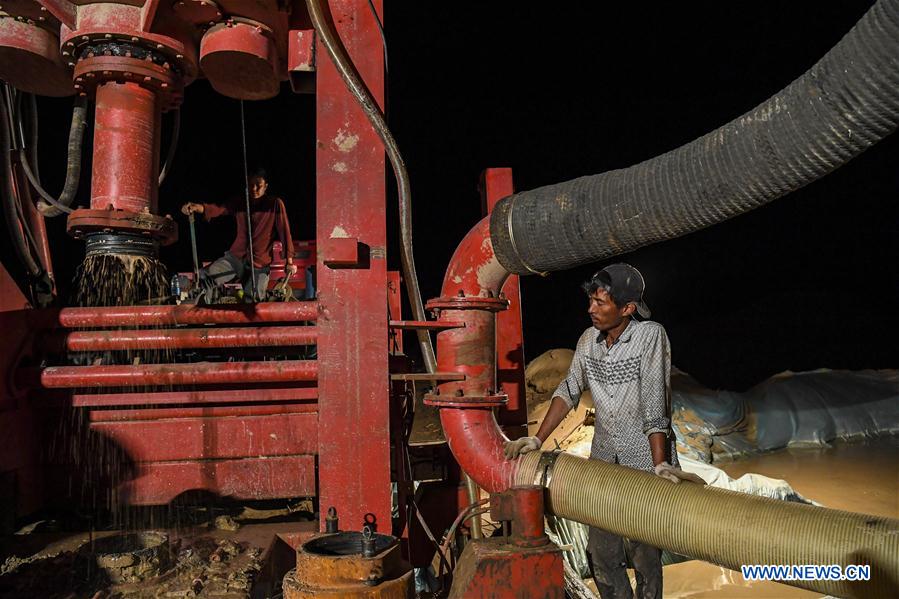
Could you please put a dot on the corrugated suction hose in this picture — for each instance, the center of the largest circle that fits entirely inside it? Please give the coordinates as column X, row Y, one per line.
column 844, row 104
column 719, row 526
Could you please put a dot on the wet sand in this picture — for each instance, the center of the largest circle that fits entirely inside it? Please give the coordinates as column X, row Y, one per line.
column 859, row 477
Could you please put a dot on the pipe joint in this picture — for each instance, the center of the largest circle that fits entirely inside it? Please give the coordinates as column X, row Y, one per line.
column 468, row 302
column 466, row 401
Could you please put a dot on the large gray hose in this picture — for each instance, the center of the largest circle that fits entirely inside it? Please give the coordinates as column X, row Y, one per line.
column 843, row 105
column 719, row 526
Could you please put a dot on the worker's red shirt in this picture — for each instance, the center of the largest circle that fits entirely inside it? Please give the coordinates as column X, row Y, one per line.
column 269, row 223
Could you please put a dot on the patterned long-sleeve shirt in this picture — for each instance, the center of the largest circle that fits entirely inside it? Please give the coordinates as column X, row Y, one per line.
column 631, row 387
column 269, row 219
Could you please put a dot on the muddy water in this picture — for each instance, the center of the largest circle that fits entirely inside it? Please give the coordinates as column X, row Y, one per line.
column 859, row 477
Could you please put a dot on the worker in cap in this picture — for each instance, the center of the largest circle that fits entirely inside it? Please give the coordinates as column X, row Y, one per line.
column 625, row 363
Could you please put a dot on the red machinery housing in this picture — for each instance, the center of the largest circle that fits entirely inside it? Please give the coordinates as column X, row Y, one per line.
column 248, row 415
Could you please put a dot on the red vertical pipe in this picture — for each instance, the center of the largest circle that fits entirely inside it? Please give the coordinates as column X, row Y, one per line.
column 126, row 148
column 472, row 432
column 354, row 463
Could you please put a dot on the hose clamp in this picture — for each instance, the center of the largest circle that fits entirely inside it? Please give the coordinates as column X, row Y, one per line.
column 544, row 474
column 512, row 239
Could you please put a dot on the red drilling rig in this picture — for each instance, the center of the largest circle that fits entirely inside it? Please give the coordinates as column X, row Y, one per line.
column 402, row 455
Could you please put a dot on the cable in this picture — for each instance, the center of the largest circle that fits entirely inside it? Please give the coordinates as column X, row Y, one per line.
column 374, row 13
column 32, row 146
column 14, row 225
column 246, row 178
column 357, row 87
column 173, row 146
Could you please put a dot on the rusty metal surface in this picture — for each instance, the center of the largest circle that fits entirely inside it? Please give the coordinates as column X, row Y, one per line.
column 133, row 316
column 490, row 569
column 355, row 463
column 197, row 373
column 201, row 438
column 523, row 507
column 127, row 118
column 158, row 483
column 240, row 60
column 343, row 571
column 30, row 59
column 84, row 220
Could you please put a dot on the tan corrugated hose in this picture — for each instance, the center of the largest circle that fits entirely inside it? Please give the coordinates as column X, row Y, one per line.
column 719, row 526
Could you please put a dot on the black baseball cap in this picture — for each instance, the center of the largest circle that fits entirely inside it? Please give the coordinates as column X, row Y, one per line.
column 624, row 283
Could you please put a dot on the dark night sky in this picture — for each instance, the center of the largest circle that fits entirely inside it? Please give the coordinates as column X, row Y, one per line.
column 806, row 282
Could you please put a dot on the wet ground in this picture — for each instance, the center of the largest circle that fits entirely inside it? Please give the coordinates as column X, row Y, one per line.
column 201, row 562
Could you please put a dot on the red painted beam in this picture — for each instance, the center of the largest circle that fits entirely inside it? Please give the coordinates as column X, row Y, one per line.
column 155, row 316
column 205, row 396
column 184, row 338
column 207, row 438
column 355, row 462
column 198, row 373
column 158, row 483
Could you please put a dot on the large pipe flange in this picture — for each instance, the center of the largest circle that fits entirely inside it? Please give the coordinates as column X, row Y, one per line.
column 85, row 222
column 452, row 400
column 468, row 302
column 126, row 63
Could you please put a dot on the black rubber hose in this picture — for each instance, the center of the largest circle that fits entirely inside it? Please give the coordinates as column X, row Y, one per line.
column 173, row 146
column 9, row 200
column 55, row 206
column 843, row 105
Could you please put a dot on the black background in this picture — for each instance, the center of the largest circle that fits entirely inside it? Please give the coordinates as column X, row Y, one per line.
column 561, row 90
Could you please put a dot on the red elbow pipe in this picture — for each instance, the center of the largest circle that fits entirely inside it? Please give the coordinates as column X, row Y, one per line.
column 470, row 295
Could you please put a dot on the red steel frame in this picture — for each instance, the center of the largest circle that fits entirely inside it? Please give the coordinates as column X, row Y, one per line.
column 354, row 464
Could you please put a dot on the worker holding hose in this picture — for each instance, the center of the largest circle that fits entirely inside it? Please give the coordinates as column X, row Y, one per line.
column 267, row 223
column 626, row 365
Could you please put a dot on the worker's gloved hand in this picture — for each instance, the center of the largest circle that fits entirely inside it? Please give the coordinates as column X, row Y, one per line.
column 513, row 449
column 290, row 270
column 675, row 474
column 191, row 207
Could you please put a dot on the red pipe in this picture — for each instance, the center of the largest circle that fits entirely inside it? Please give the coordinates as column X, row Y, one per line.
column 210, row 412
column 473, row 435
column 197, row 373
column 155, row 316
column 126, row 148
column 194, row 396
column 184, row 338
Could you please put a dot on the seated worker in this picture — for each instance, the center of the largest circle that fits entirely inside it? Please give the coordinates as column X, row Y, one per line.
column 269, row 222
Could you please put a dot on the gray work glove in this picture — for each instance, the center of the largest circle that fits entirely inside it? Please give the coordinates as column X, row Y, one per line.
column 513, row 449
column 675, row 475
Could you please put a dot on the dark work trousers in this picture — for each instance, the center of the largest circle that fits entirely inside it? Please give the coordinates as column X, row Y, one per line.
column 229, row 269
column 609, row 555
